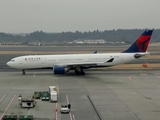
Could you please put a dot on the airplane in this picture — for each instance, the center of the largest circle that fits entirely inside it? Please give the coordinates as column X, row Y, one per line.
column 63, row 63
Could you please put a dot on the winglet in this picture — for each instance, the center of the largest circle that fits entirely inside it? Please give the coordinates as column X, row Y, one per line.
column 141, row 44
column 110, row 60
column 95, row 52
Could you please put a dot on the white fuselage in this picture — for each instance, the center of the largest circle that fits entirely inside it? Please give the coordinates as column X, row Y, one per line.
column 49, row 61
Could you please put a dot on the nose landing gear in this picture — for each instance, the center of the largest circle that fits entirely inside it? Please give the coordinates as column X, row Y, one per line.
column 23, row 72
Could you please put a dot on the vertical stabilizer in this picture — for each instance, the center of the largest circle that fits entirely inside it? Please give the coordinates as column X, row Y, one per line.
column 141, row 44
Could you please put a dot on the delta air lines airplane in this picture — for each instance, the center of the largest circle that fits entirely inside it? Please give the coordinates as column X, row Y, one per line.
column 61, row 64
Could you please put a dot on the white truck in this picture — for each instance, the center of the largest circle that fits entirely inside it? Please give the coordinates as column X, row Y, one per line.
column 53, row 94
column 65, row 109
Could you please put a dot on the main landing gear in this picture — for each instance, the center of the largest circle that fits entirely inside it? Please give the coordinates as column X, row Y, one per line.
column 23, row 72
column 81, row 72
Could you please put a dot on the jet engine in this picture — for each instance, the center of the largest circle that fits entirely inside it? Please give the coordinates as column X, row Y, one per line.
column 60, row 70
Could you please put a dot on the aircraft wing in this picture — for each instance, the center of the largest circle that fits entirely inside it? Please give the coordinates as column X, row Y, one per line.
column 80, row 64
column 85, row 63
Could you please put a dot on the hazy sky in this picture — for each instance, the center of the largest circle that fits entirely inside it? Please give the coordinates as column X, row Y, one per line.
column 19, row 16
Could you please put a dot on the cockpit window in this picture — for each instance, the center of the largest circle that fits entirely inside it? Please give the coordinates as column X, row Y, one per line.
column 12, row 60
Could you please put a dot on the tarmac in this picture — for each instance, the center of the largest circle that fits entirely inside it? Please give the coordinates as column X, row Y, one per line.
column 99, row 95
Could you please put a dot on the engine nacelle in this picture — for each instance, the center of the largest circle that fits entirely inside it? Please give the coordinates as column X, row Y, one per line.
column 60, row 70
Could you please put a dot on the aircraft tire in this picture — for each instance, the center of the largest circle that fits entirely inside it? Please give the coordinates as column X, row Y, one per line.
column 77, row 72
column 23, row 72
column 82, row 72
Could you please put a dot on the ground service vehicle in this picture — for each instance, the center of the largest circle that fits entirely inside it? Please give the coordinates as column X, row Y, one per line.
column 27, row 103
column 65, row 109
column 53, row 94
column 37, row 95
column 45, row 96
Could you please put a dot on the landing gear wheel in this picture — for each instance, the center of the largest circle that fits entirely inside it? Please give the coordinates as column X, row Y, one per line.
column 82, row 72
column 23, row 72
column 77, row 72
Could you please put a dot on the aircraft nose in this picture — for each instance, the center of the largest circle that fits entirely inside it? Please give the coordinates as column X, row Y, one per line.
column 9, row 63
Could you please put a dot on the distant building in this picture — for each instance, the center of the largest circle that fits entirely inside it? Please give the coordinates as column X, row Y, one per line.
column 89, row 41
column 95, row 41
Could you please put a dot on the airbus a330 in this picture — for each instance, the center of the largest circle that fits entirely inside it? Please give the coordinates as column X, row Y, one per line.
column 61, row 64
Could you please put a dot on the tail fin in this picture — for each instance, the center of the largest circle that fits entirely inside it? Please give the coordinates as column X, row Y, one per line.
column 141, row 44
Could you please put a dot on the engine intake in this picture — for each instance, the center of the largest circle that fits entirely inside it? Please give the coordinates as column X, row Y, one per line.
column 60, row 70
